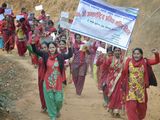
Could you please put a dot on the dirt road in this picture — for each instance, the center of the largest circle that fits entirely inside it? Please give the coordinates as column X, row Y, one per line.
column 87, row 107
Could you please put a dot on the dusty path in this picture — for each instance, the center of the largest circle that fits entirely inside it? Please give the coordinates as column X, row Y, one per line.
column 86, row 107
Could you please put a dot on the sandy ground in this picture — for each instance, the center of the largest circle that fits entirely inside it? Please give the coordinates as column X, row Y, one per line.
column 87, row 107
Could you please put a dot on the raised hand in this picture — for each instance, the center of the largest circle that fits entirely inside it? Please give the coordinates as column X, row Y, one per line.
column 154, row 50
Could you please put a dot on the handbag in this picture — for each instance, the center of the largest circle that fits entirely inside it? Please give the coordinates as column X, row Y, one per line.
column 151, row 75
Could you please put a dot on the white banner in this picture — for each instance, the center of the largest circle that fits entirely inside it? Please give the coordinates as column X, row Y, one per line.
column 39, row 7
column 8, row 11
column 18, row 17
column 2, row 17
column 64, row 14
column 104, row 22
column 64, row 20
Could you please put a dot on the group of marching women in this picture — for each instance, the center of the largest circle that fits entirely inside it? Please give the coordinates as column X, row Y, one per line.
column 123, row 81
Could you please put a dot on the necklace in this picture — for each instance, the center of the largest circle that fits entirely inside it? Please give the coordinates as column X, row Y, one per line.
column 116, row 63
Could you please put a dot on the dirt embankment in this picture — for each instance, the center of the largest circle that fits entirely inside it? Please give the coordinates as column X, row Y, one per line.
column 14, row 82
column 20, row 88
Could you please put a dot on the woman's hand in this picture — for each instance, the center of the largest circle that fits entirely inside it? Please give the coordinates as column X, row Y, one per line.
column 32, row 40
column 100, row 54
column 68, row 43
column 154, row 51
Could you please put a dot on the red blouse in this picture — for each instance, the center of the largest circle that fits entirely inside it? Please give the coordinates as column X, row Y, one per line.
column 53, row 76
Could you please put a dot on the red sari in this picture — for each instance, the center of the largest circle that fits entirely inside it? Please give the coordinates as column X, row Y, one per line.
column 34, row 58
column 114, row 81
column 41, row 74
column 21, row 46
column 51, row 30
column 99, row 65
column 8, row 34
column 27, row 25
column 21, row 42
column 42, row 17
column 64, row 51
column 2, row 10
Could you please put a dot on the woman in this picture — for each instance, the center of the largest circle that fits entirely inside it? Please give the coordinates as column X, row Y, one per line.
column 113, row 81
column 100, row 60
column 31, row 21
column 26, row 25
column 21, row 38
column 41, row 72
column 52, row 86
column 1, row 38
column 99, row 64
column 137, row 82
column 24, row 13
column 63, row 49
column 90, row 58
column 62, row 45
column 8, row 33
column 34, row 57
column 42, row 16
column 102, row 83
column 50, row 27
column 79, row 65
column 3, row 7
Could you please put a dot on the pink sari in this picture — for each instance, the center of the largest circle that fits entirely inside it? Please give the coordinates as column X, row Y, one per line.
column 78, row 68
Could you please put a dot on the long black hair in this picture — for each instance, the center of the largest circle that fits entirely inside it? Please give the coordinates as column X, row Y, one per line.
column 59, row 57
column 76, row 34
column 116, row 48
column 109, row 49
column 63, row 41
column 44, row 43
column 139, row 49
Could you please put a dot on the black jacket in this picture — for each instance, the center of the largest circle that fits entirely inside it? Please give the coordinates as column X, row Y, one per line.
column 61, row 57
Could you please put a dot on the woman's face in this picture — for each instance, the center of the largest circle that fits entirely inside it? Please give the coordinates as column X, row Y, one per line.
column 7, row 18
column 52, row 48
column 78, row 38
column 117, row 52
column 63, row 38
column 44, row 48
column 50, row 24
column 62, row 45
column 43, row 13
column 86, row 38
column 57, row 42
column 103, row 44
column 110, row 53
column 137, row 55
column 35, row 22
column 48, row 17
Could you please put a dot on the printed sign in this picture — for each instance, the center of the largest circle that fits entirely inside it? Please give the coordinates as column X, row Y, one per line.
column 39, row 7
column 105, row 22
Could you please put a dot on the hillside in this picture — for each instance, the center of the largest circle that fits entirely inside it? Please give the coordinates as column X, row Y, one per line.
column 146, row 32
